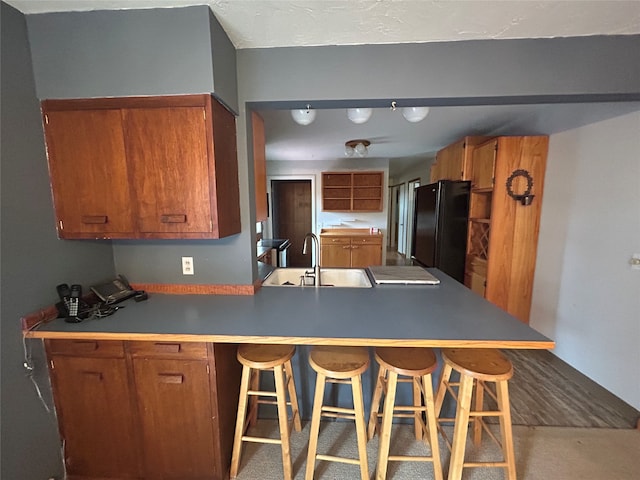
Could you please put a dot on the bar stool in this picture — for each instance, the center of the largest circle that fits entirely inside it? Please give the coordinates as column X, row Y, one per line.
column 477, row 367
column 415, row 366
column 338, row 365
column 256, row 359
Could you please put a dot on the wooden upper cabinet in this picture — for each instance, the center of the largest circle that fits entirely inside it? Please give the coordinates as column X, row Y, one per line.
column 89, row 172
column 260, row 166
column 454, row 161
column 352, row 191
column 484, row 162
column 148, row 167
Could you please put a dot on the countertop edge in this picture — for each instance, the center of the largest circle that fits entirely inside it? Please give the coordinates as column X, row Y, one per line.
column 373, row 342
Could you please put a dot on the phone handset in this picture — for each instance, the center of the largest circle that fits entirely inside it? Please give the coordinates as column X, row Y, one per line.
column 70, row 297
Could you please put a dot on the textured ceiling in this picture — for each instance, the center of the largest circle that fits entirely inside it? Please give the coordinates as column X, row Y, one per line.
column 280, row 23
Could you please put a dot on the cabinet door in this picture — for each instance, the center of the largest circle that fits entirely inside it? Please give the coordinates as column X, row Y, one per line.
column 365, row 252
column 335, row 252
column 169, row 161
column 483, row 165
column 174, row 402
column 88, row 169
column 96, row 417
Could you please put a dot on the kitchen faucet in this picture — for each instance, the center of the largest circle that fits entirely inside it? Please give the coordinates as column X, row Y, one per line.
column 316, row 268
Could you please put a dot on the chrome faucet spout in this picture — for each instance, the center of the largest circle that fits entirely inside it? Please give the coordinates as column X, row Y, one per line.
column 316, row 244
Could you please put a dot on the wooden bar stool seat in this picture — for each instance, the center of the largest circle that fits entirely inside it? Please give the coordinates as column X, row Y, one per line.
column 405, row 365
column 477, row 367
column 256, row 359
column 338, row 365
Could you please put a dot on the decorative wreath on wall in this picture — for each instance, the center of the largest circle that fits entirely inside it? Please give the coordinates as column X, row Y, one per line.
column 525, row 198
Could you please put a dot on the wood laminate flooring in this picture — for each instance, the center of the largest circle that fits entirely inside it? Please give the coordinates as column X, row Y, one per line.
column 546, row 391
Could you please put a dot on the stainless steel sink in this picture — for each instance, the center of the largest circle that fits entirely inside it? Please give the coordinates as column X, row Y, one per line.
column 331, row 277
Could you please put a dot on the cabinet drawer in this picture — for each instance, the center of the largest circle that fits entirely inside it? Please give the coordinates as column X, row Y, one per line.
column 168, row 349
column 335, row 241
column 86, row 348
column 366, row 241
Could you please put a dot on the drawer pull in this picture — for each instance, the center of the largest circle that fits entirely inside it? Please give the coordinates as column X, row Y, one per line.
column 94, row 219
column 171, row 377
column 173, row 218
column 95, row 375
column 168, row 347
column 86, row 346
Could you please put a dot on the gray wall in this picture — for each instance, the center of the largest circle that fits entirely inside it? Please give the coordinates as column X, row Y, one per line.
column 114, row 53
column 146, row 52
column 33, row 262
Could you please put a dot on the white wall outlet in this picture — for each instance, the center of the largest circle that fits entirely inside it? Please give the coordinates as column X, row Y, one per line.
column 187, row 265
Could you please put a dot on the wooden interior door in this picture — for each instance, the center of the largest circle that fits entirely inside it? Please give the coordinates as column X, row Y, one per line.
column 292, row 216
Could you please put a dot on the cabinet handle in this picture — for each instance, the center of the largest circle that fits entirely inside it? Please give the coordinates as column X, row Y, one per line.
column 168, row 347
column 355, row 246
column 173, row 218
column 94, row 219
column 86, row 346
column 346, row 247
column 171, row 377
column 96, row 375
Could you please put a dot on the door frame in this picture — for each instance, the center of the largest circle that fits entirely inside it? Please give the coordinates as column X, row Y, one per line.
column 411, row 208
column 268, row 233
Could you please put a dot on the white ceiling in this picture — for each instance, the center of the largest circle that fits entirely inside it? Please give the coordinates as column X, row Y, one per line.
column 281, row 23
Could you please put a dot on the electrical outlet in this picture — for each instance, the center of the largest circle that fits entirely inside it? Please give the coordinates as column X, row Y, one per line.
column 187, row 265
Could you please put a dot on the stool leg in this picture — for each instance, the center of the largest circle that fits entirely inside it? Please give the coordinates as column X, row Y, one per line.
column 417, row 402
column 315, row 426
column 432, row 424
column 254, row 384
column 375, row 402
column 361, row 429
column 293, row 398
column 460, row 429
column 502, row 392
column 385, row 431
column 478, row 407
column 442, row 387
column 240, row 421
column 281, row 400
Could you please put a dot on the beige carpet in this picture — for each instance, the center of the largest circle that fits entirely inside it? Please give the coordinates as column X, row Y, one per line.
column 542, row 453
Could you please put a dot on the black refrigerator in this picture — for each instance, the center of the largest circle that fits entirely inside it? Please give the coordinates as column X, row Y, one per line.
column 440, row 226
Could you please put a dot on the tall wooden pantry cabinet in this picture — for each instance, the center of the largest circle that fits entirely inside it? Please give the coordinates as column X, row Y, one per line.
column 507, row 181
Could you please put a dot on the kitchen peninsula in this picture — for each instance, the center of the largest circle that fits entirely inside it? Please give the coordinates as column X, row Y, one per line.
column 123, row 377
column 444, row 315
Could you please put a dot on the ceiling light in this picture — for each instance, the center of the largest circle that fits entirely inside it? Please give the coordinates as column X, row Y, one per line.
column 359, row 115
column 357, row 147
column 303, row 116
column 415, row 114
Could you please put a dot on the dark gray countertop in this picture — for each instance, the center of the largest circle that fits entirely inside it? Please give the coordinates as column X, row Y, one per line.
column 447, row 314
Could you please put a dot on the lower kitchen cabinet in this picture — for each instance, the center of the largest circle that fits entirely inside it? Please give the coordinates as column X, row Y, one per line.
column 145, row 410
column 354, row 248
